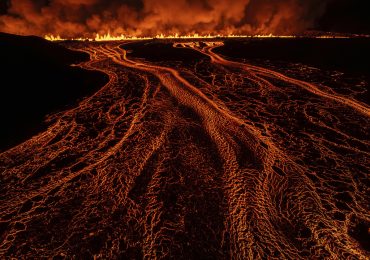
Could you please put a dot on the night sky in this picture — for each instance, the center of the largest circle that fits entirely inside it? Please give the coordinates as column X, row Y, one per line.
column 351, row 16
column 71, row 18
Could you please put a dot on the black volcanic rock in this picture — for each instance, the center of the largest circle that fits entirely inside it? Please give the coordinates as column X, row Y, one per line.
column 37, row 79
column 161, row 51
column 347, row 55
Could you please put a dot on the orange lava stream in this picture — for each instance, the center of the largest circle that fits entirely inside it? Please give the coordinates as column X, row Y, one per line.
column 362, row 108
column 164, row 162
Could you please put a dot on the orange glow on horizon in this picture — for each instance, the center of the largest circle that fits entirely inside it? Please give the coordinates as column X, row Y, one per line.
column 109, row 37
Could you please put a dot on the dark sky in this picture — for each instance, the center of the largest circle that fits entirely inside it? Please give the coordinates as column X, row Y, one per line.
column 71, row 18
column 351, row 16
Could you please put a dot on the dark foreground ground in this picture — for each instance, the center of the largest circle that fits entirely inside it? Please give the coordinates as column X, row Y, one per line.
column 188, row 155
column 36, row 80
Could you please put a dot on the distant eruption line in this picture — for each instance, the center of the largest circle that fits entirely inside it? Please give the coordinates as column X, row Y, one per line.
column 121, row 37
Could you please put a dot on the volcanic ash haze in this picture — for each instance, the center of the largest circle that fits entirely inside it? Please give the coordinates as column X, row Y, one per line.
column 76, row 18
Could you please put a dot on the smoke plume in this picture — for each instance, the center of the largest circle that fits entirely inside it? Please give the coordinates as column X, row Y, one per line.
column 84, row 18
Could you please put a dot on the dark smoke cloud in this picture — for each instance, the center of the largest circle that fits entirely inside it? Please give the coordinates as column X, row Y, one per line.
column 71, row 18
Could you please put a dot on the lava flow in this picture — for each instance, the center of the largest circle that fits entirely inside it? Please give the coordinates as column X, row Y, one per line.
column 207, row 159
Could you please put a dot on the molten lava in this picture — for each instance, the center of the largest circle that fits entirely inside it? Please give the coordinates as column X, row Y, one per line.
column 198, row 157
column 109, row 37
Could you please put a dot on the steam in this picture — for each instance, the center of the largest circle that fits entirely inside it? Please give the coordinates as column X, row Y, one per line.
column 83, row 18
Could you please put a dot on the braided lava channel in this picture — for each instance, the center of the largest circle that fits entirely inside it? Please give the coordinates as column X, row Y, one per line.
column 218, row 159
